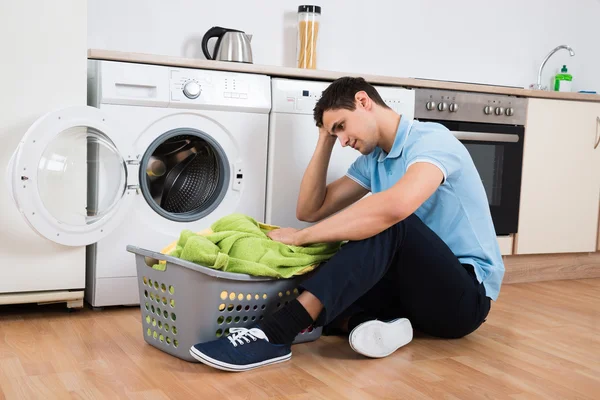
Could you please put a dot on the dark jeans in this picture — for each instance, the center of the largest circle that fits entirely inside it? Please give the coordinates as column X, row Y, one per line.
column 404, row 271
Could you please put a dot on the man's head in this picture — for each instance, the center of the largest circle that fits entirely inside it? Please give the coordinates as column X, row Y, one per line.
column 346, row 109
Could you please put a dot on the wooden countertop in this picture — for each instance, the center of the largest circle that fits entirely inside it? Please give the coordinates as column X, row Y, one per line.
column 288, row 72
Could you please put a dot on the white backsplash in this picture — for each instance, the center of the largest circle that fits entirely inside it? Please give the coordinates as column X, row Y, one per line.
column 465, row 40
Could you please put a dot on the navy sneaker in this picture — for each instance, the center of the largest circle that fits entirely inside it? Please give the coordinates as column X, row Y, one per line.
column 244, row 349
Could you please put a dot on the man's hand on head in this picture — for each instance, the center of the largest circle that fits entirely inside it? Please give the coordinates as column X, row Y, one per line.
column 326, row 137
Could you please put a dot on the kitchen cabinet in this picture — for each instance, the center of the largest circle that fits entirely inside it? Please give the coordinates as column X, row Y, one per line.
column 560, row 190
column 506, row 244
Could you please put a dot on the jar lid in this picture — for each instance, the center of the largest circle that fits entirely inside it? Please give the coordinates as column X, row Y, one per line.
column 309, row 8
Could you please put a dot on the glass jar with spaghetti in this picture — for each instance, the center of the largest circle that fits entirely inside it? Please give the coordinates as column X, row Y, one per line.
column 308, row 30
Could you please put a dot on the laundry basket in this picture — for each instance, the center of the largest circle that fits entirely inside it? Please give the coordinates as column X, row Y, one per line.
column 187, row 303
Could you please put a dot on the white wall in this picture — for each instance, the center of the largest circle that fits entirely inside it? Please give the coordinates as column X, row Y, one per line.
column 466, row 40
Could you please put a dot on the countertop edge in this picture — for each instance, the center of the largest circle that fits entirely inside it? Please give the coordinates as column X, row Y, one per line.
column 289, row 72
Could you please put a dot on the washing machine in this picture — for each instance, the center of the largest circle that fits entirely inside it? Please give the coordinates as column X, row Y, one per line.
column 293, row 137
column 157, row 150
column 192, row 149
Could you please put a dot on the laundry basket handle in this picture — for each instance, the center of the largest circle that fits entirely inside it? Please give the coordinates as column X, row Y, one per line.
column 155, row 256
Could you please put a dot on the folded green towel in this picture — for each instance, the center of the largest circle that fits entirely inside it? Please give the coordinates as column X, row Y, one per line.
column 238, row 243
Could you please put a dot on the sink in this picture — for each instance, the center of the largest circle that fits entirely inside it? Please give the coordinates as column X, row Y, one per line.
column 538, row 85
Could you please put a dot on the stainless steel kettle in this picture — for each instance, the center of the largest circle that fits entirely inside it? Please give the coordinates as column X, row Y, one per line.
column 232, row 45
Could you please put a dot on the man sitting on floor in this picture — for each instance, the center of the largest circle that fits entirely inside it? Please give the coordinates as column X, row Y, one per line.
column 421, row 251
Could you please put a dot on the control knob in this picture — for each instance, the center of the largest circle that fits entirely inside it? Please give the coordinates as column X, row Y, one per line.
column 453, row 107
column 442, row 106
column 487, row 110
column 191, row 90
column 430, row 105
column 499, row 110
column 509, row 111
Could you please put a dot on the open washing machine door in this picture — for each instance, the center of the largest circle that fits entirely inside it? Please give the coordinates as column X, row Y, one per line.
column 68, row 178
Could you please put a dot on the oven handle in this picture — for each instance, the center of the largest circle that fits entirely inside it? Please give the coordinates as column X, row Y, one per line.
column 486, row 136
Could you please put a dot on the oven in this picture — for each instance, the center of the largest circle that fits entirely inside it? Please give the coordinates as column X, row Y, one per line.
column 492, row 128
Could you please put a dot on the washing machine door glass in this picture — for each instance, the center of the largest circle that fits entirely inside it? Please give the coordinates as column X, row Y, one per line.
column 69, row 179
column 184, row 174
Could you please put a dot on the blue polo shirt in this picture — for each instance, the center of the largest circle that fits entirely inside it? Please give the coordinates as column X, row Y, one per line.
column 458, row 211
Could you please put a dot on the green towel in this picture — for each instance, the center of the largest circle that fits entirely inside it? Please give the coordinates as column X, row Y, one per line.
column 238, row 243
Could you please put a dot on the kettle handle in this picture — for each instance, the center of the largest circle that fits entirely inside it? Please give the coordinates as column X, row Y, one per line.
column 215, row 31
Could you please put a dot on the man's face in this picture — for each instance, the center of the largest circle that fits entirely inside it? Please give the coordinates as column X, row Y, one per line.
column 356, row 129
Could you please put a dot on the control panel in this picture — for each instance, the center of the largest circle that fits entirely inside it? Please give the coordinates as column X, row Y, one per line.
column 300, row 97
column 470, row 107
column 208, row 89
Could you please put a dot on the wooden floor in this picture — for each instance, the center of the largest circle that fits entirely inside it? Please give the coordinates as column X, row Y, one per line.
column 541, row 340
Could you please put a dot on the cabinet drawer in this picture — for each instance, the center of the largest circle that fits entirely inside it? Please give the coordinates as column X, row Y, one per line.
column 506, row 244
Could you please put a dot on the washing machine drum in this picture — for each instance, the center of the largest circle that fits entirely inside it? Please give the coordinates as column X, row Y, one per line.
column 185, row 175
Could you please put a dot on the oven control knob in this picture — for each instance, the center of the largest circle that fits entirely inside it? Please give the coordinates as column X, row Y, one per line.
column 499, row 110
column 453, row 107
column 430, row 105
column 509, row 111
column 442, row 106
column 191, row 90
column 487, row 110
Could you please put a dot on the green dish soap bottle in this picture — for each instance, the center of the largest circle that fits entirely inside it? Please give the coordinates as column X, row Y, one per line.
column 563, row 81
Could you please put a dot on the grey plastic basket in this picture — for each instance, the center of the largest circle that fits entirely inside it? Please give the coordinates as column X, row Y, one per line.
column 187, row 303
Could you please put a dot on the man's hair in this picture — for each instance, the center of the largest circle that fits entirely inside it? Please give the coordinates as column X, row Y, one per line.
column 340, row 95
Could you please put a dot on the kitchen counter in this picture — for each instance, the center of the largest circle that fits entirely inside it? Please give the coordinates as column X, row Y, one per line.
column 288, row 72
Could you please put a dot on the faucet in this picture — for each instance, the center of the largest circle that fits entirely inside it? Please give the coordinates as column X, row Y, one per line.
column 538, row 85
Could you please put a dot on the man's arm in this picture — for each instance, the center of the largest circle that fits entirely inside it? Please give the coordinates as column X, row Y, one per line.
column 378, row 212
column 317, row 200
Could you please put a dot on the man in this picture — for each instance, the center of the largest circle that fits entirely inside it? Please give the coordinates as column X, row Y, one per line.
column 421, row 250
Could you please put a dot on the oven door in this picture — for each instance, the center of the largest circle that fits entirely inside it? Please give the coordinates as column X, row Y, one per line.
column 497, row 151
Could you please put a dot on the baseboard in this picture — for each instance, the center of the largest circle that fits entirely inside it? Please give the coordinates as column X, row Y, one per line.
column 73, row 298
column 548, row 267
